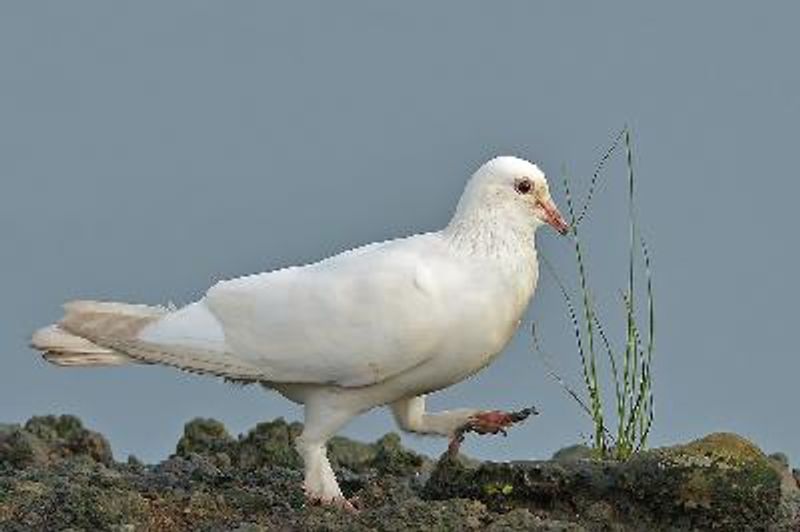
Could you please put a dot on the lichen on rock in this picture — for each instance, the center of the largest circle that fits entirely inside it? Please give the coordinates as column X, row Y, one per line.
column 721, row 480
column 47, row 439
column 57, row 475
column 204, row 436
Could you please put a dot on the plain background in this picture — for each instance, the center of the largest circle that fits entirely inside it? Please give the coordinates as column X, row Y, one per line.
column 148, row 149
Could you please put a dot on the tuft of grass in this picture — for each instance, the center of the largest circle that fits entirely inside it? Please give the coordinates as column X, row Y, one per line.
column 629, row 402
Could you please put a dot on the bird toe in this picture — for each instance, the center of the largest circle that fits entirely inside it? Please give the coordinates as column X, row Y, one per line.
column 335, row 502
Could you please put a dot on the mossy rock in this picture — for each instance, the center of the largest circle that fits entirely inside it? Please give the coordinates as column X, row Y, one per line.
column 720, row 481
column 353, row 455
column 573, row 453
column 55, row 504
column 271, row 443
column 391, row 458
column 386, row 456
column 722, row 448
column 522, row 519
column 268, row 444
column 204, row 436
column 47, row 439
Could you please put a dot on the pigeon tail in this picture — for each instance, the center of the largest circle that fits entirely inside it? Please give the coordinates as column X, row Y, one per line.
column 94, row 333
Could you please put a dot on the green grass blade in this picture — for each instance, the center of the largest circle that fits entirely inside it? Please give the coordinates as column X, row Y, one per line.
column 574, row 319
column 596, row 174
column 595, row 393
column 648, row 422
column 633, row 379
column 550, row 368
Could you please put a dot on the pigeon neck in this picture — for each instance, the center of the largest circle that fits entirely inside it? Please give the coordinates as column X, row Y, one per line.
column 489, row 233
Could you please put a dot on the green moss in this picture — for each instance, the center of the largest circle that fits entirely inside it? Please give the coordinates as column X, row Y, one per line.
column 51, row 428
column 269, row 443
column 92, row 508
column 451, row 478
column 47, row 439
column 204, row 436
column 392, row 458
column 498, row 489
column 353, row 455
column 720, row 447
column 721, row 480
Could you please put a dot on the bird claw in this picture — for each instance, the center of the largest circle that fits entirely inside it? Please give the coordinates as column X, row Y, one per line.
column 351, row 506
column 490, row 422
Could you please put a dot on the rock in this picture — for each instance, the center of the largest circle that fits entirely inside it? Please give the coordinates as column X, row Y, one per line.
column 20, row 448
column 65, row 436
column 789, row 512
column 451, row 478
column 349, row 454
column 721, row 480
column 47, row 439
column 385, row 456
column 572, row 453
column 250, row 527
column 392, row 458
column 273, row 444
column 522, row 519
column 780, row 460
column 414, row 514
column 204, row 436
column 270, row 443
column 254, row 482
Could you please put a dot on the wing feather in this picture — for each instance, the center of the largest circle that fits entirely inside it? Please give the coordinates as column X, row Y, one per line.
column 353, row 320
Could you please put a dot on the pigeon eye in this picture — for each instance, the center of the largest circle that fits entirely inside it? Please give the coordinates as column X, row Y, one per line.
column 523, row 186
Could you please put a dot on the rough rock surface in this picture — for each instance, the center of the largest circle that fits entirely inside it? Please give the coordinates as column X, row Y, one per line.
column 57, row 475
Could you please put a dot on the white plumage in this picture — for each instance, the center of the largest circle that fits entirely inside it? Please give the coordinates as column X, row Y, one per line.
column 382, row 324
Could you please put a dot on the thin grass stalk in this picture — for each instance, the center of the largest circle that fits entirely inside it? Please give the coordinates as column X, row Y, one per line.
column 641, row 413
column 596, row 174
column 639, row 383
column 578, row 338
column 648, row 423
column 634, row 392
column 546, row 359
column 631, row 365
column 612, row 362
column 595, row 394
column 553, row 374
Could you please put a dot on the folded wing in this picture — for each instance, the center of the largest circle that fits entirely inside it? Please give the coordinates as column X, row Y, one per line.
column 352, row 320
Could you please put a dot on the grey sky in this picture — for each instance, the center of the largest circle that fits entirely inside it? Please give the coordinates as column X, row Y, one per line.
column 150, row 148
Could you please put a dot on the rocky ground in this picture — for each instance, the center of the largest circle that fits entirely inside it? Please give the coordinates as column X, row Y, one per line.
column 57, row 475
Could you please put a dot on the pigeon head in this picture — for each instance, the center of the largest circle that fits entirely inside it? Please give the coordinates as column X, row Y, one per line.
column 515, row 188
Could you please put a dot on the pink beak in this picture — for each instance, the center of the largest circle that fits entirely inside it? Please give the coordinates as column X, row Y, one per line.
column 553, row 217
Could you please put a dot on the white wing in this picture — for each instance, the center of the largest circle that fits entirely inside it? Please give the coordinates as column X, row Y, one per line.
column 354, row 319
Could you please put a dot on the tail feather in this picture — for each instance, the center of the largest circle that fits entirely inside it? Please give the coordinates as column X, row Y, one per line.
column 64, row 349
column 103, row 333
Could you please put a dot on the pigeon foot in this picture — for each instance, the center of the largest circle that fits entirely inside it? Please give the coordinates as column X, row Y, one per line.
column 489, row 422
column 336, row 502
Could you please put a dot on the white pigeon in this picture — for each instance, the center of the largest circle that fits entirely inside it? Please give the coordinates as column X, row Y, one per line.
column 382, row 324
